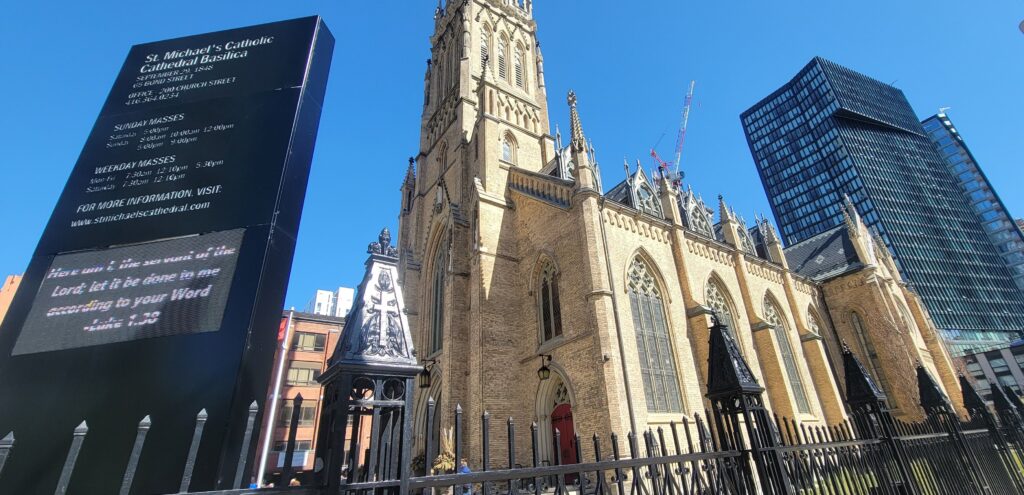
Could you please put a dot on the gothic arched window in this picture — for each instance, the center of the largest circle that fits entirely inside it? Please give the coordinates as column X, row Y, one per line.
column 484, row 49
column 657, row 362
column 647, row 201
column 508, row 148
column 550, row 307
column 699, row 221
column 813, row 324
column 716, row 299
column 502, row 58
column 517, row 64
column 437, row 306
column 869, row 348
column 773, row 317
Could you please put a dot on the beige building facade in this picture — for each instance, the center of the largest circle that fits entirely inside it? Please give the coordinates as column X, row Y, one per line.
column 7, row 291
column 512, row 250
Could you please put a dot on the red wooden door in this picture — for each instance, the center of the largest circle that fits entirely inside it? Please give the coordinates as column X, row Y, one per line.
column 561, row 419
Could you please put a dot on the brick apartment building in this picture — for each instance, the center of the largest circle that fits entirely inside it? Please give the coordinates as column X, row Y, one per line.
column 310, row 339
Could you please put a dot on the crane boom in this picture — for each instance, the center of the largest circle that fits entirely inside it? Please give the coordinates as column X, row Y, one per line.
column 682, row 124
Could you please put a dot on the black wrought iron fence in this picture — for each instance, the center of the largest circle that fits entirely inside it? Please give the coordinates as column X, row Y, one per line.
column 681, row 458
column 737, row 447
column 8, row 443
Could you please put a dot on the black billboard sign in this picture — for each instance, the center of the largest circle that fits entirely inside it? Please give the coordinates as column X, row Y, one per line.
column 157, row 286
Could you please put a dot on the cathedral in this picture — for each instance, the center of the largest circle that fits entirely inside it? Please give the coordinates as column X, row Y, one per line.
column 515, row 259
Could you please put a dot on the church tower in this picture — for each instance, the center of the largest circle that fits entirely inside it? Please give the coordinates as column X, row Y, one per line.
column 484, row 112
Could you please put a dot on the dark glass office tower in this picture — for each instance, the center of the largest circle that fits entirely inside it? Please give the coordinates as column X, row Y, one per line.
column 832, row 131
column 979, row 193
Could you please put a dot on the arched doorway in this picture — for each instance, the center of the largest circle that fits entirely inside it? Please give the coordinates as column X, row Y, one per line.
column 561, row 421
column 554, row 411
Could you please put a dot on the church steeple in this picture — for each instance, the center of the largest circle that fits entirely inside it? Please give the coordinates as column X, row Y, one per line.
column 583, row 170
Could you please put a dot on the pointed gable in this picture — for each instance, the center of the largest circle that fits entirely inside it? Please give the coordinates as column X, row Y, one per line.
column 376, row 331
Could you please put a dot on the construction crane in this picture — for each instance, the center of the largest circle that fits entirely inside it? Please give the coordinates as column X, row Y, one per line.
column 665, row 168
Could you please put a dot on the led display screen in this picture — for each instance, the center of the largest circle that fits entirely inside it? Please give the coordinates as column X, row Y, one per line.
column 155, row 289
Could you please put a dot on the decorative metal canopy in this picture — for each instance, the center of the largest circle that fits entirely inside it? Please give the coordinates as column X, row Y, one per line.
column 932, row 397
column 860, row 388
column 728, row 373
column 972, row 401
column 376, row 333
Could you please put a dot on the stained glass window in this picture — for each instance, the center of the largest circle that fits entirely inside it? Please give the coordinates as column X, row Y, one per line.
column 550, row 309
column 772, row 317
column 657, row 363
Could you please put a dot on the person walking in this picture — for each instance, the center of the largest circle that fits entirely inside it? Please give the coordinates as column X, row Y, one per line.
column 464, row 469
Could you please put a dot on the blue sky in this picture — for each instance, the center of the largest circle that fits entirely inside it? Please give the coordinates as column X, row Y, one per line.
column 629, row 63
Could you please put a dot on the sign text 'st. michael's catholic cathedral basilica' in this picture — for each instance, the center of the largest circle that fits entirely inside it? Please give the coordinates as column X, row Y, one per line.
column 511, row 249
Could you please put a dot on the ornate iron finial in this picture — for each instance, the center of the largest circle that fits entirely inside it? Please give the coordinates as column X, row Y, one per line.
column 383, row 245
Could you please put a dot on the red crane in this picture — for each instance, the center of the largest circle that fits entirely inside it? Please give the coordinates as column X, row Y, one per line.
column 665, row 167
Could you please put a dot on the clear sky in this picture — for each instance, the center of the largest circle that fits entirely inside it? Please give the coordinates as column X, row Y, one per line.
column 629, row 63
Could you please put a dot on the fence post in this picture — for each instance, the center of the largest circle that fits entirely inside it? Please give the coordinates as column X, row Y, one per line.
column 133, row 459
column 977, row 409
column 6, row 444
column 289, row 448
column 370, row 379
column 872, row 418
column 69, row 464
column 193, row 451
column 936, row 405
column 1009, row 416
column 735, row 396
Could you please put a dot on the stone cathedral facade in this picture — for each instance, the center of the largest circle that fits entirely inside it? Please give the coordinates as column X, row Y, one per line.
column 511, row 250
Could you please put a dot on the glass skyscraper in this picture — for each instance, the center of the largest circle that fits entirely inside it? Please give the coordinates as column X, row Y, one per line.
column 1000, row 227
column 831, row 131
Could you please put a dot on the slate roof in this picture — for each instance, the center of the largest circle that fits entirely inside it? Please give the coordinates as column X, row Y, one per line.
column 621, row 194
column 824, row 256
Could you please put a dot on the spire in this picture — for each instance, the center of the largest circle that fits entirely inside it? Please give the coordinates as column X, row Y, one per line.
column 578, row 142
column 724, row 213
column 850, row 216
column 410, row 173
column 487, row 75
column 558, row 138
column 768, row 231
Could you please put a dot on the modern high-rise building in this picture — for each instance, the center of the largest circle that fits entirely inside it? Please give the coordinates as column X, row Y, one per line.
column 997, row 222
column 331, row 303
column 830, row 132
